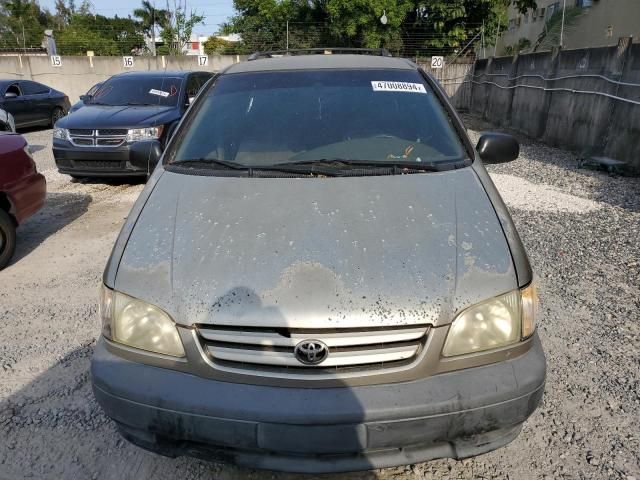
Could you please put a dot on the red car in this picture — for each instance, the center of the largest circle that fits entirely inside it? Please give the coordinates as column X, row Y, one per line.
column 22, row 191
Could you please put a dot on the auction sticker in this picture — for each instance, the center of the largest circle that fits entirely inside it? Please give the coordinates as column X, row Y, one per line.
column 386, row 86
column 160, row 93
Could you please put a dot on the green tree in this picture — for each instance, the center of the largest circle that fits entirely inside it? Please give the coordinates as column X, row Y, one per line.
column 150, row 17
column 219, row 46
column 22, row 23
column 102, row 35
column 178, row 27
column 413, row 27
column 550, row 36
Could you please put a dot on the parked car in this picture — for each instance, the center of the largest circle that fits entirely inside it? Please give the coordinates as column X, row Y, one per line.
column 127, row 108
column 84, row 99
column 7, row 123
column 22, row 191
column 32, row 103
column 320, row 276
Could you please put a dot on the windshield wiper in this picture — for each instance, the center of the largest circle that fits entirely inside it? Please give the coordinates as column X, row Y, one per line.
column 140, row 104
column 198, row 162
column 208, row 162
column 407, row 165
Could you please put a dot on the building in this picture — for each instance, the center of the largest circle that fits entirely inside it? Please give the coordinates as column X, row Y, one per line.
column 588, row 23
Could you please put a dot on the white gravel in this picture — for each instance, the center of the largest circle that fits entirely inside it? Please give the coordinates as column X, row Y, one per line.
column 581, row 229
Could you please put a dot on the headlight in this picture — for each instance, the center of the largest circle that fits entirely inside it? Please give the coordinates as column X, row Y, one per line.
column 138, row 324
column 495, row 323
column 61, row 133
column 138, row 134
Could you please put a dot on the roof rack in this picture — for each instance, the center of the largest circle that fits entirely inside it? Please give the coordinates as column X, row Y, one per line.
column 383, row 52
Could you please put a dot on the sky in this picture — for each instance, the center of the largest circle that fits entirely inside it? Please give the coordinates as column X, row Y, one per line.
column 214, row 11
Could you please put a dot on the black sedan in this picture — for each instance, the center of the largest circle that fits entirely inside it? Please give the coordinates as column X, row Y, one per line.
column 97, row 139
column 32, row 103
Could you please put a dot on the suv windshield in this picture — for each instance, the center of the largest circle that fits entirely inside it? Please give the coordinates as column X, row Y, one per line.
column 267, row 119
column 138, row 90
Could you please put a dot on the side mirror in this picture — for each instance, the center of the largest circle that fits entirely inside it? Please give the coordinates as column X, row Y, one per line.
column 11, row 95
column 85, row 98
column 145, row 154
column 497, row 148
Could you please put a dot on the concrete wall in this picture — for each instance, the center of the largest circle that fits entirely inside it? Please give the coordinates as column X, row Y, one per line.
column 561, row 98
column 77, row 74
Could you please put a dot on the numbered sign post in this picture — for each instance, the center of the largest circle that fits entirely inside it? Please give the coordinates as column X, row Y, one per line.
column 56, row 61
column 437, row 62
column 127, row 62
column 203, row 60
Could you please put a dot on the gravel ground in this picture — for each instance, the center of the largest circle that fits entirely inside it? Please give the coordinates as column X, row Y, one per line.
column 581, row 229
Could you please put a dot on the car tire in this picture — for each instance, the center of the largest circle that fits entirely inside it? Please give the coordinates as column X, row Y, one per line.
column 7, row 238
column 56, row 115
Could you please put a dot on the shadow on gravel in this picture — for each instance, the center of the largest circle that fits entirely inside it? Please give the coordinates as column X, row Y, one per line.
column 60, row 209
column 114, row 181
column 52, row 428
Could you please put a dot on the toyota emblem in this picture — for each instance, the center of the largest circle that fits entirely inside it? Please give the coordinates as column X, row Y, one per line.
column 311, row 352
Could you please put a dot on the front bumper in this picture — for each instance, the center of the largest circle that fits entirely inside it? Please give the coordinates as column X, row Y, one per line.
column 95, row 161
column 456, row 414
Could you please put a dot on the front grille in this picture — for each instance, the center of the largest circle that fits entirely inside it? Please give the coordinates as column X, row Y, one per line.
column 110, row 132
column 109, row 142
column 270, row 351
column 81, row 131
column 110, row 137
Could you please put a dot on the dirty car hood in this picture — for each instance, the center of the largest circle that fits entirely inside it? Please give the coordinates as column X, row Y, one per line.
column 317, row 253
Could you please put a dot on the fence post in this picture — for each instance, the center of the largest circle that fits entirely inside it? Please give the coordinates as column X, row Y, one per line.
column 485, row 97
column 511, row 81
column 617, row 69
column 551, row 72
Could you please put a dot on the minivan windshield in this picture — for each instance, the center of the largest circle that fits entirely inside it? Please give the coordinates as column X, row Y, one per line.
column 138, row 90
column 270, row 119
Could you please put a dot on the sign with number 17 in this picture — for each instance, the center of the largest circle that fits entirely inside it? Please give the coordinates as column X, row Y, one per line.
column 203, row 60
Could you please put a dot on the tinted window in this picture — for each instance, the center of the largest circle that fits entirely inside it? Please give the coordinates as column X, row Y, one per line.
column 138, row 90
column 34, row 88
column 13, row 88
column 274, row 117
column 193, row 85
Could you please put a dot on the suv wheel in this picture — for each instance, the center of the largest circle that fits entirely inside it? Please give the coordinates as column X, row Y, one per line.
column 7, row 238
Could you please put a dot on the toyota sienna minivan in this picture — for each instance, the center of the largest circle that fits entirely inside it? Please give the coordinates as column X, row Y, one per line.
column 320, row 276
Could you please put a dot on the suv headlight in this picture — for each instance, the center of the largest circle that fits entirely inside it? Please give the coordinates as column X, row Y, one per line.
column 498, row 322
column 149, row 133
column 138, row 324
column 61, row 133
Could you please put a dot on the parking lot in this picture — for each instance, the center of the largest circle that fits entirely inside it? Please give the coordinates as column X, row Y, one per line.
column 581, row 229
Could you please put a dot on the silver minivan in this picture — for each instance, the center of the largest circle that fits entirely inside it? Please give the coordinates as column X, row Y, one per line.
column 320, row 276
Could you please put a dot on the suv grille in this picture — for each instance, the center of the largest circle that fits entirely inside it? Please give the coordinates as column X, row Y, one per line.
column 270, row 351
column 112, row 137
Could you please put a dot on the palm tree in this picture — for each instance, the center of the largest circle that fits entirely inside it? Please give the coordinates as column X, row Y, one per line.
column 149, row 17
column 550, row 36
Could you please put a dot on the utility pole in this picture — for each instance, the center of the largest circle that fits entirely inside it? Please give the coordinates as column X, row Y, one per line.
column 287, row 35
column 564, row 5
column 153, row 30
column 484, row 51
column 495, row 45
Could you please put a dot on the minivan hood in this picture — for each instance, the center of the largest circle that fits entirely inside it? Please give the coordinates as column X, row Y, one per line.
column 316, row 252
column 102, row 116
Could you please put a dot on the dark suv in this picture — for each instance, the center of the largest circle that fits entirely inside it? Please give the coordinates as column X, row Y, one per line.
column 96, row 139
